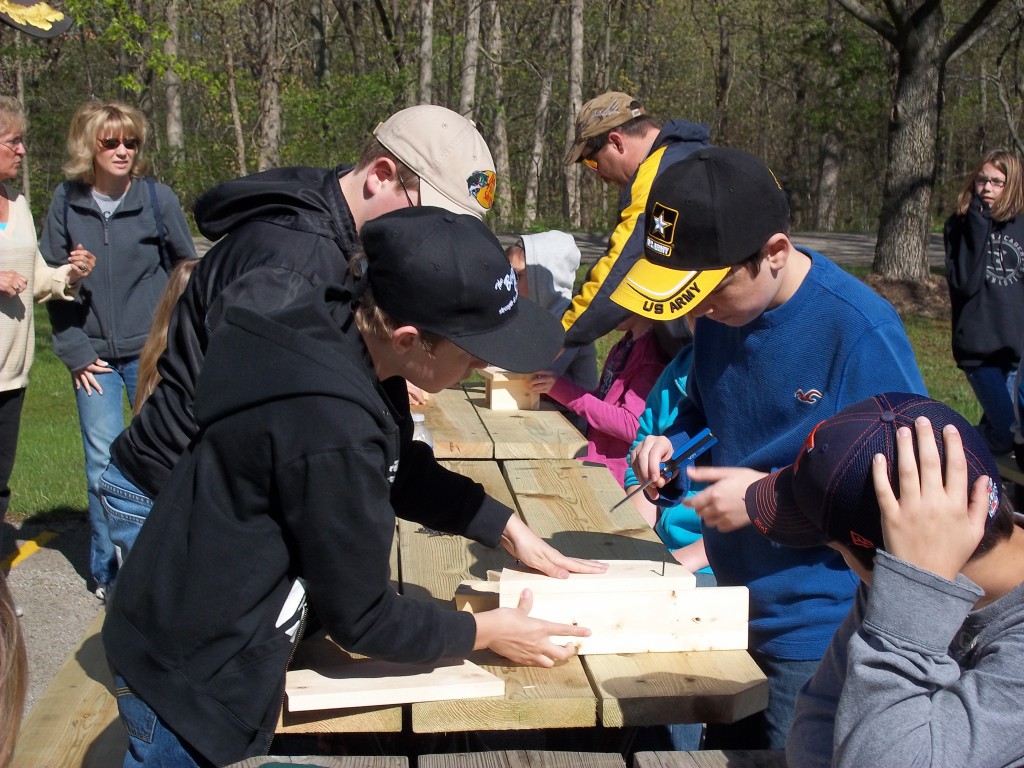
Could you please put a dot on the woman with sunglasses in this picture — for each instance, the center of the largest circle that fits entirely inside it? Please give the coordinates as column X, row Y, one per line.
column 137, row 231
column 985, row 269
column 24, row 277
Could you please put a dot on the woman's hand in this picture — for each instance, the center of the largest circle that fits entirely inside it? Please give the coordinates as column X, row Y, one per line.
column 82, row 263
column 86, row 377
column 12, row 283
column 513, row 634
column 532, row 551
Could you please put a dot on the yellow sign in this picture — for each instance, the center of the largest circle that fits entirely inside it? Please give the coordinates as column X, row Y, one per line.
column 39, row 15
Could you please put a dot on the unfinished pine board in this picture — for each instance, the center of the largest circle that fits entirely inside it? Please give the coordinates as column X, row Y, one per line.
column 535, row 698
column 522, row 759
column 712, row 758
column 507, row 391
column 75, row 722
column 540, row 434
column 455, row 426
column 567, row 503
column 661, row 688
column 432, row 567
column 374, row 683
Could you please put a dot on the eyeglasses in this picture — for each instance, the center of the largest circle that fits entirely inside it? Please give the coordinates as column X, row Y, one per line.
column 113, row 142
column 13, row 144
column 981, row 181
column 592, row 147
column 405, row 189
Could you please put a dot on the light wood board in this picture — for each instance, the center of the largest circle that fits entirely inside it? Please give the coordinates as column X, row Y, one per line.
column 455, row 426
column 537, row 434
column 373, row 683
column 523, row 759
column 712, row 758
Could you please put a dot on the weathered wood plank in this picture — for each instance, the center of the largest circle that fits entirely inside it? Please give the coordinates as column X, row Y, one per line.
column 347, row 761
column 455, row 426
column 567, row 503
column 662, row 688
column 528, row 434
column 522, row 759
column 75, row 723
column 711, row 759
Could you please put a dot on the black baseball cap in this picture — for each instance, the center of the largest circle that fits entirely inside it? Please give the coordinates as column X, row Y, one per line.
column 706, row 213
column 446, row 273
column 828, row 493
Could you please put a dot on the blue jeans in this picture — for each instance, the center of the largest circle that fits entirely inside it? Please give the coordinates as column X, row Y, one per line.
column 126, row 507
column 767, row 729
column 150, row 742
column 994, row 389
column 101, row 418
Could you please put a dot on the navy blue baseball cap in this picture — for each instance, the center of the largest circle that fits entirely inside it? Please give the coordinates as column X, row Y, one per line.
column 828, row 493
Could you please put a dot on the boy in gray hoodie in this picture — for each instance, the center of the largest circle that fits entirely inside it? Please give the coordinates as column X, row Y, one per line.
column 927, row 667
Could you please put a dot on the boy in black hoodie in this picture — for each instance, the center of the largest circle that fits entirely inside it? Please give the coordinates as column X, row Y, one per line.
column 289, row 494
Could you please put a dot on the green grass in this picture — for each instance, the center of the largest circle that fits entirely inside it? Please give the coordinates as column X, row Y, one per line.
column 48, row 484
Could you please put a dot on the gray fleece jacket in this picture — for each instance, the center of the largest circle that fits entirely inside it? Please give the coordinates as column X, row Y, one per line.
column 914, row 677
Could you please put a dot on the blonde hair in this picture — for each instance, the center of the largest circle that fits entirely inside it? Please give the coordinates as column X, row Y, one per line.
column 1010, row 204
column 95, row 120
column 156, row 342
column 13, row 674
column 12, row 114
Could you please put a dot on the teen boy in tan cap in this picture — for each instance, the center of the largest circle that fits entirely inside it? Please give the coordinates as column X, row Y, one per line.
column 783, row 339
column 926, row 669
column 280, row 233
column 617, row 139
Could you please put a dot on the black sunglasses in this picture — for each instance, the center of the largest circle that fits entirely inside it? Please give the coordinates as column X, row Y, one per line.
column 114, row 142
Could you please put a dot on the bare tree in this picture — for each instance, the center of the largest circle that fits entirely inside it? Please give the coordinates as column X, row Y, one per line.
column 172, row 83
column 540, row 119
column 830, row 146
column 426, row 93
column 1006, row 100
column 916, row 31
column 351, row 14
column 467, row 99
column 268, row 74
column 572, row 172
column 499, row 145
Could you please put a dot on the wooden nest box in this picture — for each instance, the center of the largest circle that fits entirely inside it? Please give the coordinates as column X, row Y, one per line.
column 507, row 391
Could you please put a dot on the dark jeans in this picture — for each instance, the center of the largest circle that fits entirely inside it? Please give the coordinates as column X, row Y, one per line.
column 767, row 729
column 11, row 403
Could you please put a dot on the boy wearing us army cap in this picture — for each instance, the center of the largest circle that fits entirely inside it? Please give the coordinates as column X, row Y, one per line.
column 783, row 340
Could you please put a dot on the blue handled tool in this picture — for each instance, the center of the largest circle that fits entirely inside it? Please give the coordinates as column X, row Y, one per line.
column 680, row 459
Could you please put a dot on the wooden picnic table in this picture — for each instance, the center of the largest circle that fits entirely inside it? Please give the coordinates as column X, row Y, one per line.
column 463, row 427
column 567, row 503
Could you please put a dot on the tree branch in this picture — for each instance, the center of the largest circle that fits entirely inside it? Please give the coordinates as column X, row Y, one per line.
column 973, row 30
column 871, row 20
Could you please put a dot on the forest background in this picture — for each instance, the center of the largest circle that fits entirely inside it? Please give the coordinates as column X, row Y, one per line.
column 870, row 112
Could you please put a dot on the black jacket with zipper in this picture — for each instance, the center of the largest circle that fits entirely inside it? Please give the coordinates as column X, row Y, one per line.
column 294, row 479
column 283, row 232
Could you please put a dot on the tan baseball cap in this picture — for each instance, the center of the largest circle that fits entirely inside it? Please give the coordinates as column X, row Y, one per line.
column 448, row 154
column 601, row 114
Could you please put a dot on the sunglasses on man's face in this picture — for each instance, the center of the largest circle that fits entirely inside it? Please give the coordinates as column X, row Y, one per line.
column 115, row 141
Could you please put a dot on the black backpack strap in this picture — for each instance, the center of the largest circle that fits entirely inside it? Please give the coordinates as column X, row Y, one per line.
column 165, row 259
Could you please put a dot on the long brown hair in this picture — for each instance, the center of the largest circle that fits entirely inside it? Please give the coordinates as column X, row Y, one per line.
column 13, row 674
column 1010, row 204
column 156, row 342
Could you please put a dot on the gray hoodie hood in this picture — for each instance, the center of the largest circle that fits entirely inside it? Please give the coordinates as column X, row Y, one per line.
column 552, row 259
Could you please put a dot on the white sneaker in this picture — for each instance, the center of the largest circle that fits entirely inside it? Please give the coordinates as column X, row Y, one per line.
column 101, row 593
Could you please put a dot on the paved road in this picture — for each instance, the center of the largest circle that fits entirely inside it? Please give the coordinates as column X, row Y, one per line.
column 50, row 584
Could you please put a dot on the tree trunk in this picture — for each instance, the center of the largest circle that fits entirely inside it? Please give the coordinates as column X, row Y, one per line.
column 172, row 84
column 321, row 53
column 723, row 81
column 499, row 145
column 236, row 116
column 467, row 99
column 572, row 172
column 540, row 119
column 426, row 93
column 830, row 148
column 269, row 69
column 902, row 248
column 351, row 16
